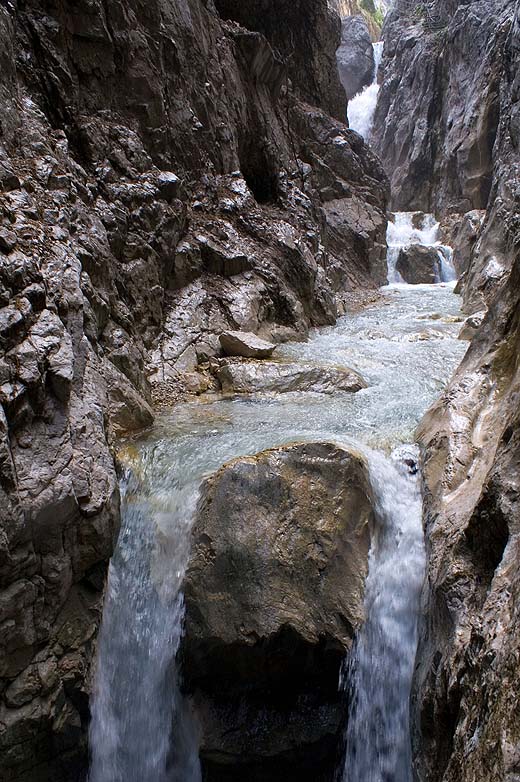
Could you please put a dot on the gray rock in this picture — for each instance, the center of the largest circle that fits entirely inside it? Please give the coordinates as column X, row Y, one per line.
column 449, row 141
column 7, row 240
column 355, row 55
column 274, row 594
column 217, row 258
column 464, row 239
column 465, row 698
column 240, row 343
column 101, row 294
column 471, row 325
column 418, row 264
column 272, row 377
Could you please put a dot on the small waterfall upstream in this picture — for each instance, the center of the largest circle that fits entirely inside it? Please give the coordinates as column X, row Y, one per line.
column 407, row 228
column 362, row 107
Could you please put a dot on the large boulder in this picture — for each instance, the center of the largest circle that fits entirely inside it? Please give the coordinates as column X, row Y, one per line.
column 274, row 594
column 240, row 343
column 355, row 55
column 418, row 264
column 273, row 377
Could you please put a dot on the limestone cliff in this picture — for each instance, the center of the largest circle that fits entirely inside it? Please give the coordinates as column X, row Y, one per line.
column 438, row 111
column 168, row 169
column 466, row 697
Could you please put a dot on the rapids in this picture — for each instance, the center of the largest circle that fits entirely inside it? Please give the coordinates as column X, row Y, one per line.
column 406, row 347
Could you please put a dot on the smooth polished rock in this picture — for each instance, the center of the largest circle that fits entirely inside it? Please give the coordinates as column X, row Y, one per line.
column 247, row 345
column 274, row 377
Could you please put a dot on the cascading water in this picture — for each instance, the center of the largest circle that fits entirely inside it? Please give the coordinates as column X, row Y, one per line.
column 141, row 728
column 408, row 228
column 379, row 673
column 362, row 107
column 136, row 697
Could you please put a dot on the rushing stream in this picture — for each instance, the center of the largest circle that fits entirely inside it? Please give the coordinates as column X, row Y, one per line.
column 362, row 107
column 406, row 347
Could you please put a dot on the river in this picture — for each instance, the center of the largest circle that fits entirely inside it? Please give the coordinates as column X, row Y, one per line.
column 406, row 347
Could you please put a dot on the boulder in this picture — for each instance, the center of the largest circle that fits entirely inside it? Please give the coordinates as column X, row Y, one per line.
column 245, row 344
column 418, row 264
column 274, row 593
column 272, row 377
column 471, row 325
column 355, row 55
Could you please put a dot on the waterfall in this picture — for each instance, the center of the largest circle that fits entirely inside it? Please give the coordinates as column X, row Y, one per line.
column 136, row 699
column 362, row 107
column 408, row 228
column 378, row 677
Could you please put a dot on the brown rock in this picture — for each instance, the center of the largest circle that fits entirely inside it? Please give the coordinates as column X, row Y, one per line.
column 274, row 592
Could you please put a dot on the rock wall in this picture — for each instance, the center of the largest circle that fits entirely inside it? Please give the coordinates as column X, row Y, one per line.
column 163, row 176
column 466, row 699
column 372, row 11
column 355, row 56
column 438, row 110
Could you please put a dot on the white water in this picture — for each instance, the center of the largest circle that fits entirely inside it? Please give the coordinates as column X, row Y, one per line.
column 136, row 694
column 405, row 348
column 402, row 233
column 379, row 675
column 362, row 107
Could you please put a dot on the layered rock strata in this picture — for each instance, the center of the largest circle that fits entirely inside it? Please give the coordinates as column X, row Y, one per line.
column 166, row 174
column 466, row 701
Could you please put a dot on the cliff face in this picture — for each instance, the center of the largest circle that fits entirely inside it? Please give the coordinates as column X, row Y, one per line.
column 466, row 699
column 164, row 175
column 439, row 105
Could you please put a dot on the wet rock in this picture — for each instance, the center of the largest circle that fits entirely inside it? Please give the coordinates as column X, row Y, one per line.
column 464, row 238
column 418, row 264
column 271, row 377
column 465, row 699
column 471, row 325
column 117, row 156
column 240, row 343
column 355, row 55
column 274, row 593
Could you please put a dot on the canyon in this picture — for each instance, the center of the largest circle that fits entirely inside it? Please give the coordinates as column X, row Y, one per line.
column 175, row 170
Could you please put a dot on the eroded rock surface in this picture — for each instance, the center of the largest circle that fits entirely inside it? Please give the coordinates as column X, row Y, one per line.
column 164, row 177
column 274, row 593
column 355, row 55
column 418, row 264
column 438, row 111
column 282, row 378
column 466, row 696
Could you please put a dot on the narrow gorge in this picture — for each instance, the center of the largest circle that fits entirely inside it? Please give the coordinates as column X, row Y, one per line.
column 259, row 384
